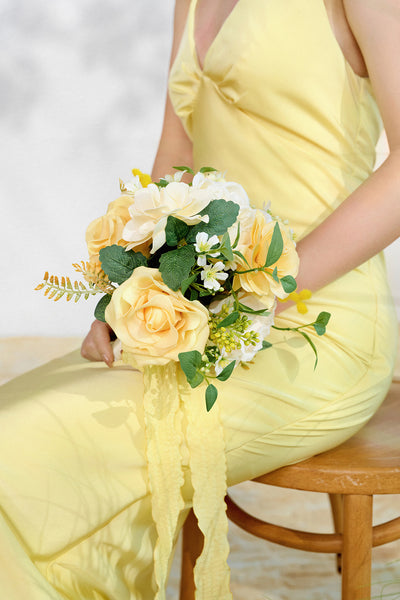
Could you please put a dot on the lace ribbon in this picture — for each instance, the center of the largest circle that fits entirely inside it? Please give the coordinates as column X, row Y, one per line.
column 166, row 397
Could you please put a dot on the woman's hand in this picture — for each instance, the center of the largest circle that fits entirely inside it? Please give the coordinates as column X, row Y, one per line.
column 97, row 344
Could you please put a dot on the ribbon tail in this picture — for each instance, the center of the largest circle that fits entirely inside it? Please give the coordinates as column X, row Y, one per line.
column 163, row 422
column 206, row 443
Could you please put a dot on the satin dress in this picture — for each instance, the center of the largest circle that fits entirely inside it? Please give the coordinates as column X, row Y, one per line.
column 279, row 109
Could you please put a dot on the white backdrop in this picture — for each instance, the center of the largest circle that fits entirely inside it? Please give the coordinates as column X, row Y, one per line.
column 82, row 90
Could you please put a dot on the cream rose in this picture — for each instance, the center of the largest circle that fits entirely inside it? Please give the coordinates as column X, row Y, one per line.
column 152, row 206
column 254, row 244
column 153, row 322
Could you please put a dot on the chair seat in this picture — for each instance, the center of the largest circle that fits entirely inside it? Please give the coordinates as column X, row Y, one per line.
column 368, row 463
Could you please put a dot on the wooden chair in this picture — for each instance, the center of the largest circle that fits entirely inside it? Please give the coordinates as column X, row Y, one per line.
column 365, row 465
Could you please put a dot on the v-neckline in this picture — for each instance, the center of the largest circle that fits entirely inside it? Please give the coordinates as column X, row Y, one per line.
column 202, row 67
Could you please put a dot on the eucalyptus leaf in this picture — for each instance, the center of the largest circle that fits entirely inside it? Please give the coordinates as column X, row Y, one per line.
column 288, row 283
column 321, row 322
column 275, row 248
column 211, row 396
column 99, row 311
column 176, row 265
column 119, row 264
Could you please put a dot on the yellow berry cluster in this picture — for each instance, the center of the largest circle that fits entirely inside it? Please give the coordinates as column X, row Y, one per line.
column 231, row 337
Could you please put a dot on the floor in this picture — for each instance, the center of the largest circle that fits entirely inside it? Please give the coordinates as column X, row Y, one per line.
column 260, row 570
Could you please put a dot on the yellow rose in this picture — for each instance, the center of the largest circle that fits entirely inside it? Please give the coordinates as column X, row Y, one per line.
column 153, row 322
column 108, row 229
column 254, row 246
column 104, row 231
column 120, row 207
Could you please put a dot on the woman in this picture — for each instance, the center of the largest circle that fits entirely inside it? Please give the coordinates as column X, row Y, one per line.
column 279, row 94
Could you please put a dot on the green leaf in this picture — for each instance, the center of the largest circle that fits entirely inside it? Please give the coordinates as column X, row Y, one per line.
column 186, row 169
column 207, row 169
column 275, row 275
column 264, row 312
column 176, row 265
column 309, row 340
column 162, row 183
column 194, row 294
column 240, row 255
column 211, row 396
column 266, row 345
column 222, row 214
column 229, row 320
column 175, row 231
column 289, row 284
column 190, row 363
column 119, row 264
column 321, row 322
column 227, row 371
column 323, row 318
column 188, row 282
column 101, row 306
column 275, row 248
column 226, row 248
column 235, row 243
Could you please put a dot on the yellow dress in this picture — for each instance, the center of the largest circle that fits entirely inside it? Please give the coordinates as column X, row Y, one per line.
column 281, row 111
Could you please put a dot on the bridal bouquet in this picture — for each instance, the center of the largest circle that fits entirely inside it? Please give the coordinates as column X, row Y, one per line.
column 188, row 273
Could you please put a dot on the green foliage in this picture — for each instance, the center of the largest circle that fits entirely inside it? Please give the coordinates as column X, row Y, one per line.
column 229, row 320
column 309, row 340
column 190, row 364
column 289, row 284
column 175, row 231
column 321, row 322
column 227, row 372
column 176, row 265
column 222, row 214
column 266, row 345
column 99, row 311
column 207, row 170
column 211, row 396
column 184, row 169
column 119, row 264
column 226, row 248
column 275, row 248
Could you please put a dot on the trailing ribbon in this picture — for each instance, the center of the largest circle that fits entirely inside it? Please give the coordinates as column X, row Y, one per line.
column 166, row 397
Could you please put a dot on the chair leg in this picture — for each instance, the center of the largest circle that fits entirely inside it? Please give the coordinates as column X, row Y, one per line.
column 192, row 545
column 336, row 501
column 357, row 547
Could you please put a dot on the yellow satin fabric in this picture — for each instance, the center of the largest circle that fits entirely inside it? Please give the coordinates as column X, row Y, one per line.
column 278, row 108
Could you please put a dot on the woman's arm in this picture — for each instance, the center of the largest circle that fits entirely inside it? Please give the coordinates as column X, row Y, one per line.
column 369, row 219
column 175, row 148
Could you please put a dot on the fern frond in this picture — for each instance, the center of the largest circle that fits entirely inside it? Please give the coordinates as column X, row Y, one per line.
column 55, row 290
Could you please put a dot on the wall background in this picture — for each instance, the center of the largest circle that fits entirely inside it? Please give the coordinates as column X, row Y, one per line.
column 82, row 90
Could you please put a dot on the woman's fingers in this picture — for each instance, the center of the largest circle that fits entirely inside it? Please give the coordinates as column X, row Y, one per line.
column 97, row 344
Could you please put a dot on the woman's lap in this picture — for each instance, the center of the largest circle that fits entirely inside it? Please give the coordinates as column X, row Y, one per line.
column 73, row 482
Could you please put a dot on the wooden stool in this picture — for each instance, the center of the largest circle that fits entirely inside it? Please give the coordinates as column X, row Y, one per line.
column 367, row 464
